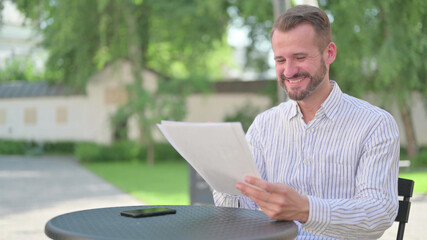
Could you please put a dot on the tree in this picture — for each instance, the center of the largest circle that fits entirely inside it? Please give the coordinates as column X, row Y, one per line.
column 257, row 17
column 382, row 44
column 20, row 69
column 175, row 38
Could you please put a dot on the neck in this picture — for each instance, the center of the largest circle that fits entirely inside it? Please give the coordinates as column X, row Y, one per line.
column 310, row 105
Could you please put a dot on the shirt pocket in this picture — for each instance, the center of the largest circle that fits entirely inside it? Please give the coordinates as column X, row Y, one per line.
column 334, row 175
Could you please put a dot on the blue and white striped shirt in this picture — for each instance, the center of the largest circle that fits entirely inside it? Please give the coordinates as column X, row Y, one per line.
column 345, row 160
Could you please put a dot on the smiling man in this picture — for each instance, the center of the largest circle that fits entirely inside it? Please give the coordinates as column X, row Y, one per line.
column 327, row 160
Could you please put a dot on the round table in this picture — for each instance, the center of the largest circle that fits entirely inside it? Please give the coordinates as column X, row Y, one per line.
column 189, row 222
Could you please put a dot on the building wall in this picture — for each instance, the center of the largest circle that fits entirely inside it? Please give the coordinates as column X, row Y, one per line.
column 216, row 106
column 46, row 119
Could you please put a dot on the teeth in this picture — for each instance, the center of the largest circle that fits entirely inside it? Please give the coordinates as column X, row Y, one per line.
column 295, row 81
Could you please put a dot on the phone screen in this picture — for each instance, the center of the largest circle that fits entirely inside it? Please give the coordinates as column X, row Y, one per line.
column 147, row 212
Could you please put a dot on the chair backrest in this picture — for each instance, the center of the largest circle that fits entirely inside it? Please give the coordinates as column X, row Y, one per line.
column 405, row 190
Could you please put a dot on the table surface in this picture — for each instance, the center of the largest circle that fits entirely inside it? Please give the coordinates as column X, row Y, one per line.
column 189, row 222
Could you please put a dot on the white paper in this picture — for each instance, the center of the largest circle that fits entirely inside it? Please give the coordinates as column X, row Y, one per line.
column 219, row 152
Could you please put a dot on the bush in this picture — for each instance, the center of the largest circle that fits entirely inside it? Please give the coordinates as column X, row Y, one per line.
column 13, row 147
column 118, row 151
column 420, row 160
column 25, row 147
column 165, row 152
column 61, row 147
column 88, row 152
column 123, row 151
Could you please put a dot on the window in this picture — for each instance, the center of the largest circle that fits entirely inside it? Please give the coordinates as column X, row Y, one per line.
column 30, row 116
column 115, row 96
column 61, row 115
column 2, row 116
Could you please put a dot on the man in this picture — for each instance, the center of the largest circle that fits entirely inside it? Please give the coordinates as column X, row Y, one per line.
column 327, row 160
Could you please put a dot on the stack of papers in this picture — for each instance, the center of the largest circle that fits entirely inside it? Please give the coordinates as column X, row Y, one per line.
column 219, row 152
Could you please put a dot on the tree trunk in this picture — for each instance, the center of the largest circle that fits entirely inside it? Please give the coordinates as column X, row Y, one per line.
column 150, row 153
column 136, row 57
column 411, row 142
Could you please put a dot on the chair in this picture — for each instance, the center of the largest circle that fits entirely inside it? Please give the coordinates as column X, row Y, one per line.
column 405, row 189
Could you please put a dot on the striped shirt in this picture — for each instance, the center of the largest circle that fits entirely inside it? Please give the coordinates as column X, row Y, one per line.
column 345, row 161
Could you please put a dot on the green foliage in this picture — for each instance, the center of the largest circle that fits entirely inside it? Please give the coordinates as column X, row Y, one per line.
column 118, row 151
column 164, row 152
column 270, row 90
column 176, row 38
column 420, row 160
column 59, row 147
column 122, row 151
column 24, row 70
column 257, row 18
column 89, row 152
column 245, row 115
column 13, row 147
column 25, row 147
column 381, row 44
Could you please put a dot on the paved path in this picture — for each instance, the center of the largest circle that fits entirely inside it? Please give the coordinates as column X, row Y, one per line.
column 416, row 228
column 36, row 189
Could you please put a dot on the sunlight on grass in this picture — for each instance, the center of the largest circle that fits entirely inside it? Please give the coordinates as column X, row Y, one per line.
column 165, row 183
column 420, row 178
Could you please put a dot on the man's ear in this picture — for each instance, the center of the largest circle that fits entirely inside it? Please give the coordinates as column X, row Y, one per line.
column 332, row 52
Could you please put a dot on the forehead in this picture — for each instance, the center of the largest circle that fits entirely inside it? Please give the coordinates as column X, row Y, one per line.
column 301, row 39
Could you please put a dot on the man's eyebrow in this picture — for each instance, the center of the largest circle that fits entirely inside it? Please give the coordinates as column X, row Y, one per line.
column 295, row 54
column 300, row 54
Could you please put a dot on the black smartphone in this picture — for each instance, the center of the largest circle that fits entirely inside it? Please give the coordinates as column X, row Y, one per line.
column 148, row 212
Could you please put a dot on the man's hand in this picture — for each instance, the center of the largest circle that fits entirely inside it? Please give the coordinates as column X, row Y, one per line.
column 278, row 201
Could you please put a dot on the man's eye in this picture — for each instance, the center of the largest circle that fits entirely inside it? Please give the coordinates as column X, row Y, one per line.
column 280, row 60
column 300, row 58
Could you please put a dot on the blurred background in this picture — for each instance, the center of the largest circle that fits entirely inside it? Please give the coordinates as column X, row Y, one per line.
column 87, row 81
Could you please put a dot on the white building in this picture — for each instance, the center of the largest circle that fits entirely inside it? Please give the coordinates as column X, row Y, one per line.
column 42, row 112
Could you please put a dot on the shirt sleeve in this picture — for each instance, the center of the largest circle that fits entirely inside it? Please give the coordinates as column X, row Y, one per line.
column 227, row 200
column 374, row 207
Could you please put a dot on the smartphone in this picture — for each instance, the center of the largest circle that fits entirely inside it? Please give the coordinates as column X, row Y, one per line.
column 148, row 212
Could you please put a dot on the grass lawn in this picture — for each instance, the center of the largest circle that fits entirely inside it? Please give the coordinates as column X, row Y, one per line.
column 162, row 184
column 419, row 175
column 168, row 182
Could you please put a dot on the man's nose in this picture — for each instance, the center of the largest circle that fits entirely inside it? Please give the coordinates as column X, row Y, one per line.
column 290, row 69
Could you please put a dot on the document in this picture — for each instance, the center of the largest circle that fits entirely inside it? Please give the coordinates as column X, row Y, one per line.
column 219, row 152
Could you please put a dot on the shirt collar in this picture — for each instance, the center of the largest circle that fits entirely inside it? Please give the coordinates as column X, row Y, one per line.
column 329, row 107
column 293, row 111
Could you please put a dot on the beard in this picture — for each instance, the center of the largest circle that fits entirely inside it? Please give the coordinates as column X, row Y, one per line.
column 297, row 94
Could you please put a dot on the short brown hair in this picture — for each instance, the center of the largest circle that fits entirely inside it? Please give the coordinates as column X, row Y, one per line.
column 306, row 14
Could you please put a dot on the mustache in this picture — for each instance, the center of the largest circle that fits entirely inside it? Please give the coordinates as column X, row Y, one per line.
column 298, row 75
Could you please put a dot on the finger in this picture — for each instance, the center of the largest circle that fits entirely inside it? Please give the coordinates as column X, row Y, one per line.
column 248, row 190
column 266, row 186
column 258, row 196
column 257, row 182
